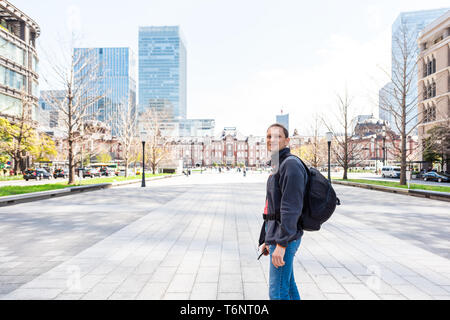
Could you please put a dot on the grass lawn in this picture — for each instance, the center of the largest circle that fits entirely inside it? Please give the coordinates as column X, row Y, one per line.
column 397, row 185
column 14, row 190
column 10, row 178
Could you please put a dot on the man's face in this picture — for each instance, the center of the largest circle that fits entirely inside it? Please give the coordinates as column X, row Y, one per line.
column 276, row 139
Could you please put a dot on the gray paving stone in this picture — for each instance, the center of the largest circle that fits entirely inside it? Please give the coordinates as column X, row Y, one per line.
column 328, row 284
column 208, row 274
column 230, row 283
column 152, row 291
column 204, row 291
column 256, row 291
column 360, row 291
column 230, row 296
column 411, row 292
column 338, row 296
column 199, row 240
column 182, row 283
column 101, row 291
column 342, row 275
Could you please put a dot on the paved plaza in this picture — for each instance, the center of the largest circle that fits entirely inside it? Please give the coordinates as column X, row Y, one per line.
column 196, row 238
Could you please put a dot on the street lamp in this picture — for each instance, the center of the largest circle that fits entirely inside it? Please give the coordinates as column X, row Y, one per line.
column 143, row 138
column 329, row 138
column 384, row 145
column 374, row 140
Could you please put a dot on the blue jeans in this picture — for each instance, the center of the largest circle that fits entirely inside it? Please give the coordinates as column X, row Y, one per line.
column 281, row 280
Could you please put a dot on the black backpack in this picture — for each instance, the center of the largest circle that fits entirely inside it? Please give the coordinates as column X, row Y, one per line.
column 320, row 200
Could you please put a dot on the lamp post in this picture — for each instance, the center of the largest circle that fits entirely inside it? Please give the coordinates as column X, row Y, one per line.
column 384, row 145
column 143, row 138
column 375, row 146
column 329, row 138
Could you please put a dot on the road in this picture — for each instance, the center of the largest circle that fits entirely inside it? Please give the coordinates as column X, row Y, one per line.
column 372, row 176
column 196, row 238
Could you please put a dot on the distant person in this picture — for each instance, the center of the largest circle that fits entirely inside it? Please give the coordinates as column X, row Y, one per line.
column 280, row 234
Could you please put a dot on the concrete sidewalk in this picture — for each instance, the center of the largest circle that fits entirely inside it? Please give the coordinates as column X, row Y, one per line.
column 203, row 245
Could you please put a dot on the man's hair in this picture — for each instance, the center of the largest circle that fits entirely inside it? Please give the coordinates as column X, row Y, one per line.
column 286, row 132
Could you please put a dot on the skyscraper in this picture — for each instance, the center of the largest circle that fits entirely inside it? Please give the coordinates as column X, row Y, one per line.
column 413, row 22
column 283, row 119
column 18, row 64
column 162, row 68
column 383, row 113
column 113, row 81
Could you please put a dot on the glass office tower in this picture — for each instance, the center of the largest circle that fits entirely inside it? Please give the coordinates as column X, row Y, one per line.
column 112, row 78
column 18, row 64
column 162, row 68
column 284, row 120
column 414, row 22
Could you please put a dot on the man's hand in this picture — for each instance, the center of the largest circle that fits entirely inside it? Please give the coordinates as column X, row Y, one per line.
column 264, row 247
column 277, row 256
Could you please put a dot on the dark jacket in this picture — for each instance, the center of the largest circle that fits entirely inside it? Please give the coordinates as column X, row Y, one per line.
column 285, row 191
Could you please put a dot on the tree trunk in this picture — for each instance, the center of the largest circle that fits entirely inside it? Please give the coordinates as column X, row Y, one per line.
column 71, row 166
column 403, row 162
column 403, row 142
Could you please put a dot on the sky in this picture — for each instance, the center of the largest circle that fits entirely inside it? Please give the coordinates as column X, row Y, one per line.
column 248, row 60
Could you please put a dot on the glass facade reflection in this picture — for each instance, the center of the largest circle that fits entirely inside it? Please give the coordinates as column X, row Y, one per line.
column 162, row 68
column 18, row 63
column 112, row 78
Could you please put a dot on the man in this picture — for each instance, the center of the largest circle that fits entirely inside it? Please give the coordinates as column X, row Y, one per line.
column 281, row 236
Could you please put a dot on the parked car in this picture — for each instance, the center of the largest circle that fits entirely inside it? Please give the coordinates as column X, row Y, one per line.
column 61, row 173
column 104, row 171
column 390, row 172
column 37, row 174
column 433, row 176
column 88, row 172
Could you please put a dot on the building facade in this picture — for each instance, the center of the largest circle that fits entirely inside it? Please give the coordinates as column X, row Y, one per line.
column 410, row 23
column 228, row 148
column 434, row 79
column 112, row 79
column 19, row 86
column 162, row 68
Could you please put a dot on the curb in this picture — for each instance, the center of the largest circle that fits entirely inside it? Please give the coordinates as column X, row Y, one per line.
column 435, row 195
column 42, row 195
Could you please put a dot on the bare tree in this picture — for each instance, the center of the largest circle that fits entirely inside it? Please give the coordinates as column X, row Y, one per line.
column 75, row 72
column 313, row 151
column 93, row 133
column 346, row 145
column 152, row 122
column 126, row 133
column 400, row 97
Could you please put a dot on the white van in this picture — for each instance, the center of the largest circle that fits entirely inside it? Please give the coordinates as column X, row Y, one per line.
column 390, row 172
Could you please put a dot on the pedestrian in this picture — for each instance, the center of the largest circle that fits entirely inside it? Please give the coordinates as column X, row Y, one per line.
column 280, row 234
